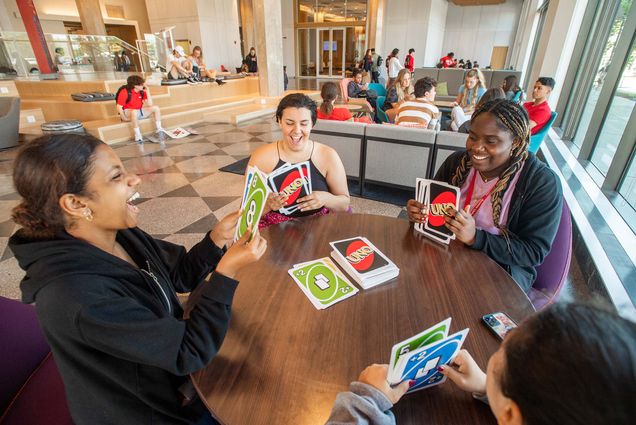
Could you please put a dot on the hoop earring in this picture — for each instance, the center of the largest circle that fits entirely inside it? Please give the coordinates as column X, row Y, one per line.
column 88, row 214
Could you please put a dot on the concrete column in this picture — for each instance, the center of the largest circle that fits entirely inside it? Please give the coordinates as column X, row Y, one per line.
column 247, row 25
column 375, row 20
column 90, row 13
column 269, row 46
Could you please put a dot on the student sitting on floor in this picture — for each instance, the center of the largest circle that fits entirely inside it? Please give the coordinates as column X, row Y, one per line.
column 548, row 371
column 469, row 94
column 134, row 104
column 179, row 66
column 510, row 205
column 296, row 115
column 397, row 93
column 105, row 292
column 327, row 111
column 539, row 110
column 421, row 111
column 198, row 66
column 491, row 94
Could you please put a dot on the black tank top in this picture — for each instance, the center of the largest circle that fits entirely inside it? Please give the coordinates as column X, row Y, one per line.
column 318, row 181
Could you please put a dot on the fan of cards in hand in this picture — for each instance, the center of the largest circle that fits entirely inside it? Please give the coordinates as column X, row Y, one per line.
column 439, row 199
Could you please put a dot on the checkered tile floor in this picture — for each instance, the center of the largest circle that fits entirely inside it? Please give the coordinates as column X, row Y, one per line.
column 183, row 192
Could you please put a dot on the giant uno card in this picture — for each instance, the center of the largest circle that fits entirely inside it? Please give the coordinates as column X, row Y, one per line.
column 441, row 199
column 253, row 204
column 292, row 182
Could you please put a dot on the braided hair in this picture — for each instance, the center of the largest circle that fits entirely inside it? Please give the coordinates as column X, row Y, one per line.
column 513, row 118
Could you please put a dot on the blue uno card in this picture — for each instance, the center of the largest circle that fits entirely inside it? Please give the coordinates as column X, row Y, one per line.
column 421, row 365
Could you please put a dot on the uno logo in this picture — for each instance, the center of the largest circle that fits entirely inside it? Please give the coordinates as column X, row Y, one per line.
column 292, row 185
column 444, row 202
column 360, row 255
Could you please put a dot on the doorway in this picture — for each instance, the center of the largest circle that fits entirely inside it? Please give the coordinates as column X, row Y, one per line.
column 326, row 52
column 331, row 52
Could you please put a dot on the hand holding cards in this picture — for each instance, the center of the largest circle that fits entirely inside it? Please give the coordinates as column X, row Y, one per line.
column 440, row 199
column 417, row 358
column 292, row 181
column 254, row 197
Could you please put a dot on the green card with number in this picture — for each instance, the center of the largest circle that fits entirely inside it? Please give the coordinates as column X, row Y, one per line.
column 322, row 282
column 256, row 193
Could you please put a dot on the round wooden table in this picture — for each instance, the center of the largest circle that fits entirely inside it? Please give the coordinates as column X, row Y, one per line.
column 283, row 361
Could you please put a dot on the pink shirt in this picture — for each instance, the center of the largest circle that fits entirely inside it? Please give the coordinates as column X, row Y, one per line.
column 483, row 218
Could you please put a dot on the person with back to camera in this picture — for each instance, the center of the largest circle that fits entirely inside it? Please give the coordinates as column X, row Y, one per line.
column 511, row 88
column 469, row 94
column 510, row 203
column 327, row 110
column 393, row 67
column 376, row 61
column 409, row 61
column 448, row 61
column 296, row 115
column 550, row 370
column 105, row 291
column 491, row 94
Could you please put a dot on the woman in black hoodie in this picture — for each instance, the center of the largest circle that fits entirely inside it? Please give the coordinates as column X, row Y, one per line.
column 105, row 291
column 511, row 202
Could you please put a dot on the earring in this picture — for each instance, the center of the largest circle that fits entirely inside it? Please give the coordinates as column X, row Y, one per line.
column 88, row 214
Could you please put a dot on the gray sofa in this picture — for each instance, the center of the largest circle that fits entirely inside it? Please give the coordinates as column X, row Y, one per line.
column 388, row 155
column 9, row 121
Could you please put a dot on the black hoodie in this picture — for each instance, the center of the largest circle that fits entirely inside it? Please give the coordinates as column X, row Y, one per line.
column 533, row 219
column 116, row 331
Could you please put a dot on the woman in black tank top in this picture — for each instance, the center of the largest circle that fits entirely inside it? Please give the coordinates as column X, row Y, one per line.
column 296, row 115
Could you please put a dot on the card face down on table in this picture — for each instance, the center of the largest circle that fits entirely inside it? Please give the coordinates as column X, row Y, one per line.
column 417, row 358
column 293, row 180
column 322, row 282
column 439, row 199
column 365, row 263
column 255, row 196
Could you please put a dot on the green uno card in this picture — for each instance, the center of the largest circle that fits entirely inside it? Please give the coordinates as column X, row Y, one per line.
column 322, row 283
column 432, row 334
column 253, row 205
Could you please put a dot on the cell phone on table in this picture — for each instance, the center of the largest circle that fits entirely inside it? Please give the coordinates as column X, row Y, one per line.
column 499, row 323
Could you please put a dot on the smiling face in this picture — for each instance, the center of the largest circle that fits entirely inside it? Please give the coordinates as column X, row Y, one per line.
column 112, row 191
column 489, row 145
column 295, row 124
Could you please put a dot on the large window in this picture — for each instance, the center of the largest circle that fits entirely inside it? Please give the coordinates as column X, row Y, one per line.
column 317, row 11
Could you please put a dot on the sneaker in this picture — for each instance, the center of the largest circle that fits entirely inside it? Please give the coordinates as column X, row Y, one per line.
column 220, row 82
column 191, row 81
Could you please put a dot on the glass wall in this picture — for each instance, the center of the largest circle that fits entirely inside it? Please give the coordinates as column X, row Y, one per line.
column 317, row 11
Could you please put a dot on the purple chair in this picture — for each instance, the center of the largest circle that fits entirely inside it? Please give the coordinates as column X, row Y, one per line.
column 551, row 274
column 31, row 389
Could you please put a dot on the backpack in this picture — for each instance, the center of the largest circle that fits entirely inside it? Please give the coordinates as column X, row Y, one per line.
column 379, row 61
column 124, row 87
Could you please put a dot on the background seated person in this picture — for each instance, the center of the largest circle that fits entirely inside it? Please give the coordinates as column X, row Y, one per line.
column 511, row 87
column 198, row 66
column 539, row 110
column 179, row 66
column 355, row 89
column 134, row 104
column 469, row 94
column 328, row 111
column 421, row 111
column 296, row 115
column 526, row 385
column 510, row 205
column 397, row 93
column 250, row 62
column 491, row 94
column 448, row 61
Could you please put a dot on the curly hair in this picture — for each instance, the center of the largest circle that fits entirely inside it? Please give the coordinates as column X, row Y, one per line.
column 297, row 100
column 512, row 118
column 44, row 170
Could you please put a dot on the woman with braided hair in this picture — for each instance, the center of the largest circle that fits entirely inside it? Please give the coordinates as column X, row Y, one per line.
column 510, row 201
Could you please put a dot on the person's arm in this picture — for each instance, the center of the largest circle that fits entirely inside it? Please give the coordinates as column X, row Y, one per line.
column 353, row 89
column 148, row 98
column 181, row 69
column 337, row 199
column 121, row 103
column 458, row 99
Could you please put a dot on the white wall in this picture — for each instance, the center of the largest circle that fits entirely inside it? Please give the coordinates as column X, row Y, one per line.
column 289, row 35
column 472, row 31
column 414, row 24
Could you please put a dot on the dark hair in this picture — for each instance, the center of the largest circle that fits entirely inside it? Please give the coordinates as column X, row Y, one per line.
column 547, row 81
column 411, row 50
column 424, row 85
column 572, row 364
column 329, row 92
column 510, row 117
column 134, row 80
column 492, row 93
column 59, row 50
column 510, row 84
column 44, row 170
column 297, row 100
column 451, row 54
column 355, row 72
column 199, row 49
column 394, row 52
column 373, row 49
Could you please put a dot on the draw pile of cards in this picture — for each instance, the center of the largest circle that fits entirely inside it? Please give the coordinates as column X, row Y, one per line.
column 254, row 197
column 440, row 199
column 293, row 180
column 365, row 263
column 322, row 282
column 418, row 357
